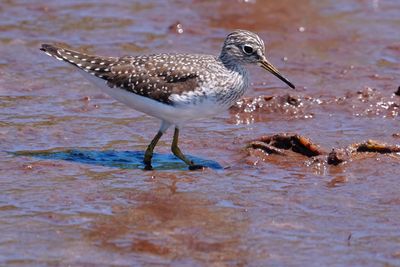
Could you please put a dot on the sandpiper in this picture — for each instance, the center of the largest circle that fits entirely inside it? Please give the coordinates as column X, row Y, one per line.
column 175, row 88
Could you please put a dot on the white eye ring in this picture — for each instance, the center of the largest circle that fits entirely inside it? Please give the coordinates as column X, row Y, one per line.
column 247, row 49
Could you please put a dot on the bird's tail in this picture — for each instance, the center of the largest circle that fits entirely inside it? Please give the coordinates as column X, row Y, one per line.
column 93, row 64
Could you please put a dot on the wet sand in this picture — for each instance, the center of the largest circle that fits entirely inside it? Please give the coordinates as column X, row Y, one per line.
column 72, row 188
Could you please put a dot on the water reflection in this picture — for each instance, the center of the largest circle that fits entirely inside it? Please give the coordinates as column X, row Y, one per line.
column 118, row 159
column 171, row 226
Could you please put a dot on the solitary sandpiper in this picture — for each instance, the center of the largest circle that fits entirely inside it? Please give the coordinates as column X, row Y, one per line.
column 176, row 88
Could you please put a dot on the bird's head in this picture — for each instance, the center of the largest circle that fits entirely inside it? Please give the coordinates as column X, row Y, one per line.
column 245, row 47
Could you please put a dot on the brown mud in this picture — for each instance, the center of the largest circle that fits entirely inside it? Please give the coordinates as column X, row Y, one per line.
column 72, row 186
column 279, row 143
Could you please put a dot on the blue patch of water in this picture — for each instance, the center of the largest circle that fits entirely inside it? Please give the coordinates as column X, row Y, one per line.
column 119, row 159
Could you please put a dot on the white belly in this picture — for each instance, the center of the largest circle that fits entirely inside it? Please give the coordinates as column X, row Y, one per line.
column 176, row 115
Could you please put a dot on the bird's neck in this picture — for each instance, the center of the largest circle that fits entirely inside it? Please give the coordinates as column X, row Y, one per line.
column 233, row 66
column 236, row 80
column 230, row 62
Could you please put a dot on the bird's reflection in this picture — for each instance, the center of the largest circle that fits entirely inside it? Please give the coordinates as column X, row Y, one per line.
column 117, row 159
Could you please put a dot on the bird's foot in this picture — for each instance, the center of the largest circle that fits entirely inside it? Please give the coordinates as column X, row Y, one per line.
column 195, row 167
column 148, row 167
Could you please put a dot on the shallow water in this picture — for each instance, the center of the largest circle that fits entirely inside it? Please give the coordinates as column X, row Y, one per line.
column 72, row 191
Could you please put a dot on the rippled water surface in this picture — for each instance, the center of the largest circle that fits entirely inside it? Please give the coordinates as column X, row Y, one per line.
column 72, row 188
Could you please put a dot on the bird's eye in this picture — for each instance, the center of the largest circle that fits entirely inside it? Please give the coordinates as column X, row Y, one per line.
column 248, row 49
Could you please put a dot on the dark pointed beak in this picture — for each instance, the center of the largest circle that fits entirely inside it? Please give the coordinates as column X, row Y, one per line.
column 269, row 67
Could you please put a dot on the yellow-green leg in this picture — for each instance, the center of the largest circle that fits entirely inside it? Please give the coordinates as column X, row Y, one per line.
column 178, row 153
column 149, row 151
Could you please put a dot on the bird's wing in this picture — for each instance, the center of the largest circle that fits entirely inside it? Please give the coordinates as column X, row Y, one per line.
column 156, row 76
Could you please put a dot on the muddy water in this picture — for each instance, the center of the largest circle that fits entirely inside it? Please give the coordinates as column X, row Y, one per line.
column 72, row 191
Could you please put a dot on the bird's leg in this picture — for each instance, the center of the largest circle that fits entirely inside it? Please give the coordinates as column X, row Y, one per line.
column 178, row 153
column 149, row 151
